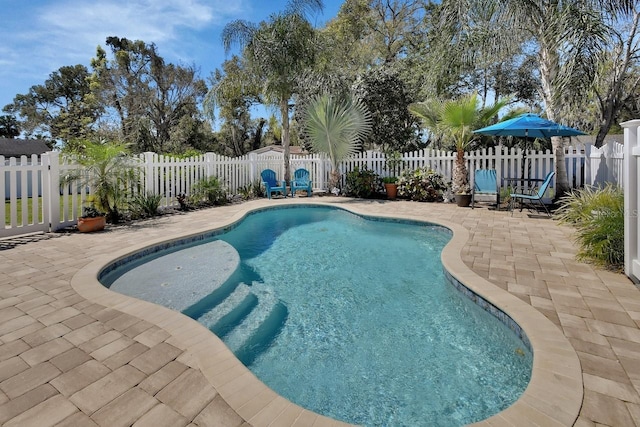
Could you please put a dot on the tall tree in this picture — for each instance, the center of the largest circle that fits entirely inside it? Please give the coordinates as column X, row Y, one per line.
column 565, row 36
column 149, row 98
column 278, row 51
column 387, row 97
column 9, row 127
column 233, row 91
column 63, row 107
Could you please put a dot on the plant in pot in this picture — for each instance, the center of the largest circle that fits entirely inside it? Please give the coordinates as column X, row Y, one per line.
column 336, row 126
column 454, row 121
column 106, row 170
column 393, row 162
column 92, row 219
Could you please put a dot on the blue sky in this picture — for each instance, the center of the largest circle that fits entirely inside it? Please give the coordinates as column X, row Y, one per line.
column 38, row 37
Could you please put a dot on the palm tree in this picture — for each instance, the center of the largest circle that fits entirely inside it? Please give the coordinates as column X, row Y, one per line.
column 336, row 127
column 457, row 119
column 278, row 51
column 567, row 35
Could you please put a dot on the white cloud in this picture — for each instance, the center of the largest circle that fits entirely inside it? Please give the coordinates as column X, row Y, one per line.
column 40, row 37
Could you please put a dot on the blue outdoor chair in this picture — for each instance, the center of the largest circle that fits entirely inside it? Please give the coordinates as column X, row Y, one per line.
column 533, row 196
column 301, row 181
column 485, row 182
column 271, row 184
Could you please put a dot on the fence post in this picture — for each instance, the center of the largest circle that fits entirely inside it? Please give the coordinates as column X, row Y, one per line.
column 631, row 237
column 51, row 188
column 148, row 173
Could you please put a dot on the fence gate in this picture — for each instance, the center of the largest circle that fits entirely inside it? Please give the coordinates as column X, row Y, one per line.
column 26, row 188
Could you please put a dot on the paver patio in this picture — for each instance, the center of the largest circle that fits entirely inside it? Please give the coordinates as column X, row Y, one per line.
column 75, row 354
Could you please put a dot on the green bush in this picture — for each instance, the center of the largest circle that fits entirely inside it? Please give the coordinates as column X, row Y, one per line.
column 209, row 191
column 598, row 216
column 421, row 185
column 363, row 183
column 251, row 190
column 145, row 204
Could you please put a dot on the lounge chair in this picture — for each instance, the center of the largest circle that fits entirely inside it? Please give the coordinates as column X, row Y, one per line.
column 533, row 196
column 485, row 182
column 301, row 181
column 271, row 184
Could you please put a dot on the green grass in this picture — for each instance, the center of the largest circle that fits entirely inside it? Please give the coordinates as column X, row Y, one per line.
column 7, row 209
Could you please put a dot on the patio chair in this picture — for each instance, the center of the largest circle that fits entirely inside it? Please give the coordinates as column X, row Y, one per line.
column 271, row 184
column 485, row 182
column 301, row 181
column 532, row 197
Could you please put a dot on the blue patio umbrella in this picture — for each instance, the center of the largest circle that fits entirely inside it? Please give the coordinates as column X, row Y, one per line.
column 528, row 125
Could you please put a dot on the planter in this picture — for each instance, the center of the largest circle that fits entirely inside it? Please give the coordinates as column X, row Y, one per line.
column 87, row 224
column 392, row 190
column 463, row 200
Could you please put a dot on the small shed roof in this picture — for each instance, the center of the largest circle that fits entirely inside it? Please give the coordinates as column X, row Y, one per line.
column 22, row 147
column 293, row 149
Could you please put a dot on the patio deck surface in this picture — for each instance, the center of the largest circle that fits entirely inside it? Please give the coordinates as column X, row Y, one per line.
column 73, row 353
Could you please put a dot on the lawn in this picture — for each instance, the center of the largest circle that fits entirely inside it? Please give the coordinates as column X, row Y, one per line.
column 7, row 209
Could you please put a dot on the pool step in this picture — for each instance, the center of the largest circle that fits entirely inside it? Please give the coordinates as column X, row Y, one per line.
column 230, row 312
column 247, row 318
column 266, row 301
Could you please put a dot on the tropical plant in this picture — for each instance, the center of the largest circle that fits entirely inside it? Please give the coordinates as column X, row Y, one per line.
column 209, row 191
column 567, row 37
column 278, row 51
column 107, row 169
column 145, row 204
column 336, row 127
column 457, row 119
column 251, row 190
column 421, row 185
column 363, row 183
column 598, row 216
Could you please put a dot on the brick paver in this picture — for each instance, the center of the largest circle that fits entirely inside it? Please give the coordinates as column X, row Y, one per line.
column 76, row 360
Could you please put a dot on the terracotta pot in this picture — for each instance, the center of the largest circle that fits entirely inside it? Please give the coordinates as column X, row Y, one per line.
column 87, row 225
column 392, row 190
column 463, row 200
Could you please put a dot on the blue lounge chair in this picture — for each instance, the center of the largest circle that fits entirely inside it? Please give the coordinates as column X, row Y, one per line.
column 485, row 182
column 533, row 196
column 301, row 181
column 271, row 184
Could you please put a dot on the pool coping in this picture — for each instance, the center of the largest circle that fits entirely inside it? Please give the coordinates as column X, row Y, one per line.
column 553, row 397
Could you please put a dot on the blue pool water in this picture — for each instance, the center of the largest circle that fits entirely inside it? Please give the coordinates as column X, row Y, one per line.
column 350, row 317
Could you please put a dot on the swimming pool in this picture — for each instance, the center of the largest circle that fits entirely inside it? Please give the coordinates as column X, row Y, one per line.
column 376, row 336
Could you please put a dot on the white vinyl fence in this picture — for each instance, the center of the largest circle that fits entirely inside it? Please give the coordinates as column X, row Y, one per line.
column 631, row 199
column 36, row 201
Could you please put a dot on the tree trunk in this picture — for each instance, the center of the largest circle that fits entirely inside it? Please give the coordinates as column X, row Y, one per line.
column 460, row 178
column 284, row 110
column 549, row 65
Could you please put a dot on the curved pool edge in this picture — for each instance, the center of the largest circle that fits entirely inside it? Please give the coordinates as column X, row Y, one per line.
column 553, row 396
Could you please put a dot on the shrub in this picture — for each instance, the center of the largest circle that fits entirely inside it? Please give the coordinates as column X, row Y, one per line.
column 421, row 185
column 251, row 190
column 145, row 204
column 363, row 183
column 598, row 216
column 209, row 191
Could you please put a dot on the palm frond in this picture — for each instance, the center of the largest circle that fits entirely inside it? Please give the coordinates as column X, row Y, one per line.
column 337, row 126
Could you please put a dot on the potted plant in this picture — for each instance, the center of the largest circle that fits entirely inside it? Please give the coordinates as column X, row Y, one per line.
column 463, row 196
column 92, row 219
column 391, row 186
column 393, row 161
column 106, row 170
